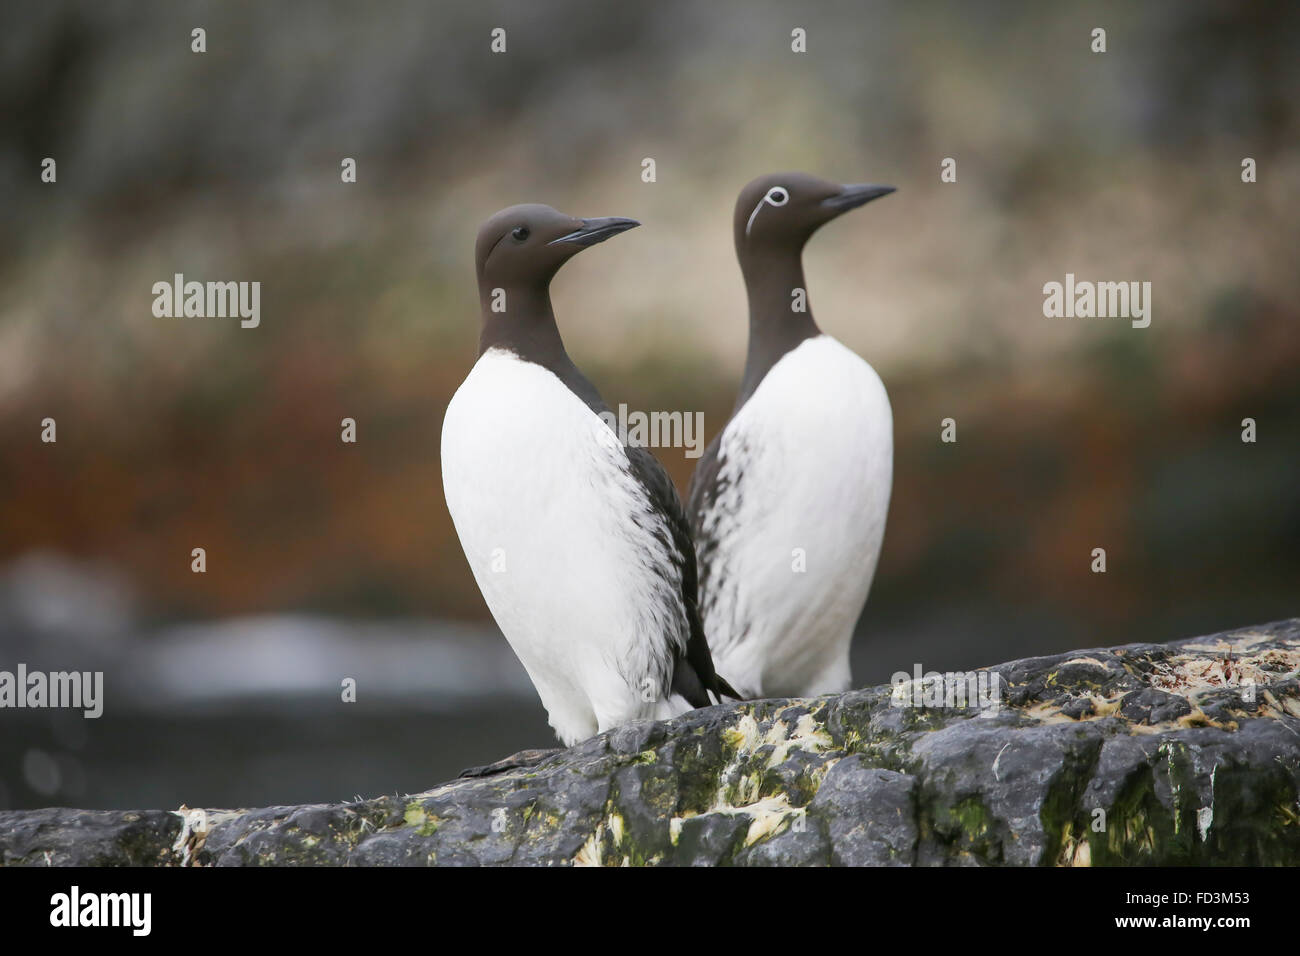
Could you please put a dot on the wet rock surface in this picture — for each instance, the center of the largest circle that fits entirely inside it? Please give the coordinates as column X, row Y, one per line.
column 1181, row 753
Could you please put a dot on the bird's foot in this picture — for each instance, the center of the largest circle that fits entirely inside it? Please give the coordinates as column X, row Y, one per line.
column 525, row 758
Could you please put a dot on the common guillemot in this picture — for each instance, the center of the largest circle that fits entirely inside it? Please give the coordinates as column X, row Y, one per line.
column 579, row 544
column 788, row 502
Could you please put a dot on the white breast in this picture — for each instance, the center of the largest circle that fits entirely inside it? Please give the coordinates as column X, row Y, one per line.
column 543, row 501
column 805, row 469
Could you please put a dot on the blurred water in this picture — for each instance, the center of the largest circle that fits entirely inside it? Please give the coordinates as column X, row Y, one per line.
column 249, row 711
column 246, row 711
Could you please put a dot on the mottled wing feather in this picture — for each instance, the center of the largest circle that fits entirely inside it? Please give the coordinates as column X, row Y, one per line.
column 701, row 495
column 693, row 672
column 713, row 495
column 693, row 676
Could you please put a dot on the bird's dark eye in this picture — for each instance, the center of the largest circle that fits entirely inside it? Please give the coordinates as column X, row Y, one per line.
column 779, row 196
column 520, row 233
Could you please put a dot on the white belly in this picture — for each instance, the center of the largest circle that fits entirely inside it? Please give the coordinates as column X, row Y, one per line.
column 539, row 492
column 805, row 474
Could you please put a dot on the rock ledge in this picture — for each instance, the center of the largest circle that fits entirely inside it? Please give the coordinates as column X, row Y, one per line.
column 1182, row 753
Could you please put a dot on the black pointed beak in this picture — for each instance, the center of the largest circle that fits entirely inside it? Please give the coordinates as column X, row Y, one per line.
column 593, row 231
column 855, row 195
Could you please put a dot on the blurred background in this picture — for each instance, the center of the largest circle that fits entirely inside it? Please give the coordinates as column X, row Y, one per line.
column 328, row 560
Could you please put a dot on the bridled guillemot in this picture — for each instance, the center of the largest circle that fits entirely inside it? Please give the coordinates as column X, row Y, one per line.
column 788, row 502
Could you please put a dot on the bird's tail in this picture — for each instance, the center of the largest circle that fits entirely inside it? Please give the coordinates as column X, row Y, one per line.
column 721, row 687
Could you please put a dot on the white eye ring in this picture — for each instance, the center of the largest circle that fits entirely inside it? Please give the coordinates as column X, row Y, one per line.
column 776, row 196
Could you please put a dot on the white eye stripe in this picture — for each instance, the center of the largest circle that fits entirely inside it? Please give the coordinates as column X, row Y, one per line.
column 776, row 196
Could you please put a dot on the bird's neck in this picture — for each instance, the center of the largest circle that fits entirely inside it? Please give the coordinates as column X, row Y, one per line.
column 520, row 318
column 780, row 316
column 527, row 328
